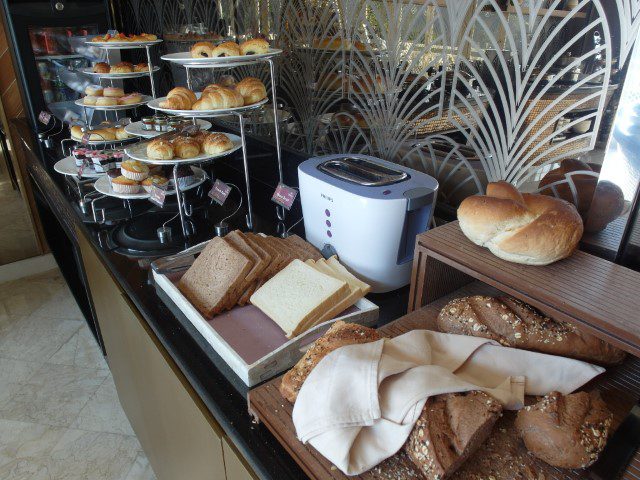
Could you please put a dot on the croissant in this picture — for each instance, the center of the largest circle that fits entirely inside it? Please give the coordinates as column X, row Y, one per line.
column 160, row 150
column 185, row 147
column 179, row 98
column 226, row 49
column 211, row 88
column 215, row 143
column 252, row 90
column 221, row 98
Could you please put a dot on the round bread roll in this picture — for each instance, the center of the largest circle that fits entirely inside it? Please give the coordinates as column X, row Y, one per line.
column 185, row 147
column 226, row 49
column 101, row 67
column 113, row 92
column 221, row 98
column 200, row 137
column 130, row 99
column 93, row 90
column 122, row 67
column 254, row 47
column 90, row 100
column 573, row 181
column 566, row 431
column 521, row 228
column 252, row 90
column 179, row 98
column 202, row 50
column 106, row 101
column 160, row 150
column 215, row 143
column 606, row 206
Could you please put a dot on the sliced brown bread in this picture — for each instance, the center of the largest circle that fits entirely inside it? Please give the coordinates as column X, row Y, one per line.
column 275, row 253
column 214, row 276
column 266, row 258
column 339, row 335
column 242, row 246
column 304, row 249
column 451, row 427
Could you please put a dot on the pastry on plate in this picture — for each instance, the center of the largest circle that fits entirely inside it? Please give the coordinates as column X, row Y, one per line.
column 125, row 185
column 185, row 147
column 114, row 92
column 202, row 50
column 226, row 49
column 215, row 143
column 160, row 150
column 101, row 67
column 122, row 67
column 152, row 180
column 130, row 99
column 93, row 90
column 90, row 100
column 141, row 67
column 106, row 101
column 135, row 170
column 254, row 47
column 179, row 98
column 252, row 90
column 220, row 98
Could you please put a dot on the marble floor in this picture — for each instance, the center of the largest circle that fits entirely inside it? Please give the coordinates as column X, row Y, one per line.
column 17, row 238
column 59, row 412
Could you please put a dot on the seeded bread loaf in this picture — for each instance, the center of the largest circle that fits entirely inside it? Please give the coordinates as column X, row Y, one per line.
column 339, row 335
column 566, row 431
column 451, row 427
column 513, row 323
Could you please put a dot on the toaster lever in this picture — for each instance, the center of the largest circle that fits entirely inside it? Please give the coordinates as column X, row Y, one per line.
column 418, row 197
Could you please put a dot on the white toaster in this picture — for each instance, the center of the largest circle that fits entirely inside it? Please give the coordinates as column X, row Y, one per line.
column 368, row 211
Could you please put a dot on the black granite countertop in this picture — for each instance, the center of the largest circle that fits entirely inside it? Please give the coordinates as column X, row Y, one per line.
column 218, row 387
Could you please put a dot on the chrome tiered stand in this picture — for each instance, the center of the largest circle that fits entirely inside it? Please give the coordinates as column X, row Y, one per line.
column 232, row 62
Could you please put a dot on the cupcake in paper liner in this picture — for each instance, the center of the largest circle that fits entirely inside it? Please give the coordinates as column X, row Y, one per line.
column 124, row 185
column 134, row 170
column 149, row 182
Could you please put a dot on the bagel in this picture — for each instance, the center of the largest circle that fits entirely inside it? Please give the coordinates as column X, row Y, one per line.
column 521, row 228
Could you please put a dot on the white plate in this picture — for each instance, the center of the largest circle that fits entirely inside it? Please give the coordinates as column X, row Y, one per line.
column 135, row 128
column 67, row 166
column 139, row 152
column 96, row 143
column 185, row 59
column 103, row 186
column 155, row 104
column 89, row 71
column 123, row 45
column 145, row 99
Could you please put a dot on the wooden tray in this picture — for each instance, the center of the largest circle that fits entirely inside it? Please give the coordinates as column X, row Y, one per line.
column 620, row 388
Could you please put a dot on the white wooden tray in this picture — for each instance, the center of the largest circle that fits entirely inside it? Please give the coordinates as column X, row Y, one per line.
column 250, row 342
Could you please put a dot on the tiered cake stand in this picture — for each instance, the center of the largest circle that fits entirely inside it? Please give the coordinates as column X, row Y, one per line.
column 184, row 59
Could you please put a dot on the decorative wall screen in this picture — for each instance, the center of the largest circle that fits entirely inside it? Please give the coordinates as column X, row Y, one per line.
column 469, row 91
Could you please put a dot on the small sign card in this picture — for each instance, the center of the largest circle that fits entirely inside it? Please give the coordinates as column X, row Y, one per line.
column 158, row 194
column 284, row 196
column 219, row 192
column 44, row 117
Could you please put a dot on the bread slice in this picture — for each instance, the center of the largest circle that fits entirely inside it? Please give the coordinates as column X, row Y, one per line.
column 266, row 258
column 348, row 276
column 236, row 240
column 276, row 256
column 296, row 294
column 305, row 251
column 214, row 276
column 339, row 335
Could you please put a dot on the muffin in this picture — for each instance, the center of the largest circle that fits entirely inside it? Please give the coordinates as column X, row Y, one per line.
column 152, row 180
column 185, row 176
column 134, row 170
column 123, row 184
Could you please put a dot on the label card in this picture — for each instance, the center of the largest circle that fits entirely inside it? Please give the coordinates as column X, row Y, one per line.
column 219, row 192
column 158, row 195
column 284, row 196
column 44, row 117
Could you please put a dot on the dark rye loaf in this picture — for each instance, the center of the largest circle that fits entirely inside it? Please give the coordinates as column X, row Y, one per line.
column 515, row 324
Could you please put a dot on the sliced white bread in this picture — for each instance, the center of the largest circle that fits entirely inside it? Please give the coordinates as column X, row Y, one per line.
column 297, row 293
column 347, row 275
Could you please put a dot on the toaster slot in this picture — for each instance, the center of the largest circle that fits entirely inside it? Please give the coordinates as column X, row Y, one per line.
column 362, row 172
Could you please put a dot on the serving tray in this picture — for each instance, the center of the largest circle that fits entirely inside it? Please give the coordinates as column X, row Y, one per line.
column 250, row 342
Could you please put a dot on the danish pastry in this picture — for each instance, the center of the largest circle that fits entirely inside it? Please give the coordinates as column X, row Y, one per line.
column 202, row 50
column 254, row 47
column 215, row 143
column 226, row 49
column 252, row 90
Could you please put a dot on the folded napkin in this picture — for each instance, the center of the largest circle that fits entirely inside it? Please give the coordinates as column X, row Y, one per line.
column 360, row 403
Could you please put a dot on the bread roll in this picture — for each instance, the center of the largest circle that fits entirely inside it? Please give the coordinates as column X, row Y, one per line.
column 221, row 98
column 606, row 206
column 573, row 181
column 215, row 143
column 226, row 49
column 114, row 92
column 106, row 101
column 90, row 100
column 521, row 228
column 252, row 90
column 141, row 67
column 122, row 67
column 121, row 134
column 101, row 67
column 185, row 147
column 160, row 150
column 202, row 50
column 339, row 335
column 254, row 46
column 93, row 90
column 515, row 324
column 449, row 430
column 130, row 99
column 76, row 131
column 566, row 431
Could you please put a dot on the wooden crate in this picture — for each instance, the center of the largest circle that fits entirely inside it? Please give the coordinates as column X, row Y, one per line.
column 448, row 266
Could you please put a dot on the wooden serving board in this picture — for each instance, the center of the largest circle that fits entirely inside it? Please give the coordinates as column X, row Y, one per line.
column 619, row 386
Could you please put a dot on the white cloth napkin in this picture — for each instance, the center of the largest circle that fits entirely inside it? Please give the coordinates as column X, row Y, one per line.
column 359, row 404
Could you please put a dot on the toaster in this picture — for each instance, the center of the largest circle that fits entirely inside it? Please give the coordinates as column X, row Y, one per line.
column 367, row 211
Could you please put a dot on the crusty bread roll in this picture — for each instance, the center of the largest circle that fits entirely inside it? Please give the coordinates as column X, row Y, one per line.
column 521, row 228
column 566, row 431
column 606, row 206
column 180, row 98
column 220, row 98
column 93, row 90
column 515, row 324
column 254, row 46
column 215, row 143
column 202, row 50
column 160, row 150
column 252, row 90
column 106, row 101
column 90, row 100
column 122, row 67
column 141, row 67
column 101, row 67
column 226, row 49
column 115, row 92
column 185, row 147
